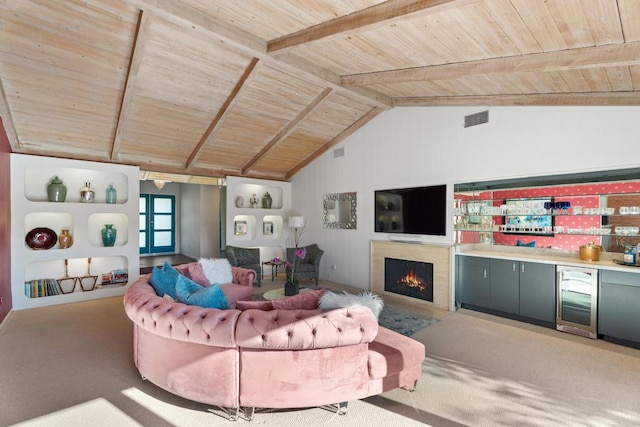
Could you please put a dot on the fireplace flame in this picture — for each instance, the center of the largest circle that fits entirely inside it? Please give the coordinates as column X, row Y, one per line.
column 410, row 280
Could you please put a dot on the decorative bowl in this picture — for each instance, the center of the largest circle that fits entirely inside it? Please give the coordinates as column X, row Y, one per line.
column 41, row 238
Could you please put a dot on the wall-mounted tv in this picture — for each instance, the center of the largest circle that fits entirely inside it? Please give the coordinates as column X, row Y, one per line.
column 529, row 216
column 416, row 210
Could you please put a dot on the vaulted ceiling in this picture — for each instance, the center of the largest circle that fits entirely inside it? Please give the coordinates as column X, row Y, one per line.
column 261, row 88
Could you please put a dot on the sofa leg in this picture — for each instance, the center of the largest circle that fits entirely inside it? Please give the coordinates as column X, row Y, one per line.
column 232, row 413
column 342, row 408
column 248, row 412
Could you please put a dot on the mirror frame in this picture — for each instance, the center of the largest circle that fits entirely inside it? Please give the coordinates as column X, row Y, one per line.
column 332, row 199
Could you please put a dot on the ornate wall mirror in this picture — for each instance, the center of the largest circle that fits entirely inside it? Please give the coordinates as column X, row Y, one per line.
column 340, row 210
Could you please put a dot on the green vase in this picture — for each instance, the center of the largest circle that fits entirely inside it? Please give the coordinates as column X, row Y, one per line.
column 56, row 190
column 108, row 235
column 111, row 194
column 267, row 201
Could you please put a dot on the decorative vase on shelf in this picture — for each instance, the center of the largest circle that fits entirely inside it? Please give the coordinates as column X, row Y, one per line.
column 56, row 190
column 253, row 200
column 239, row 202
column 65, row 239
column 108, row 235
column 86, row 193
column 111, row 194
column 291, row 288
column 267, row 200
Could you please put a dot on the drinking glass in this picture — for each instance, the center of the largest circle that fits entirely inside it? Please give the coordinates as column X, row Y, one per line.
column 565, row 207
column 548, row 207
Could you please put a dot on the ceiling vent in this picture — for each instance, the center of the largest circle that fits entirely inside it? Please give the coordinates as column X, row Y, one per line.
column 338, row 152
column 476, row 119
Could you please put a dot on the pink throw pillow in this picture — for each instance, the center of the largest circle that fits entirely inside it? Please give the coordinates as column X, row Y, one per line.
column 197, row 274
column 305, row 300
column 258, row 305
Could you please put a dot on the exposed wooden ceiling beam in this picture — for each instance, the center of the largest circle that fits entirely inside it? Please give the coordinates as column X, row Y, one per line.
column 7, row 121
column 354, row 21
column 253, row 46
column 286, row 131
column 339, row 138
column 139, row 41
column 228, row 104
column 589, row 99
column 573, row 59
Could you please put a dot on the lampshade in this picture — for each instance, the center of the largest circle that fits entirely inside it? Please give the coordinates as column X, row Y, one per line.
column 159, row 183
column 296, row 221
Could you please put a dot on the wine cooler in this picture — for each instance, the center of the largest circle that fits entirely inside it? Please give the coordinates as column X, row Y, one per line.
column 577, row 309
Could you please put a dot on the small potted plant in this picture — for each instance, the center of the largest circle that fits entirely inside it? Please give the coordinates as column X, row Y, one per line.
column 291, row 285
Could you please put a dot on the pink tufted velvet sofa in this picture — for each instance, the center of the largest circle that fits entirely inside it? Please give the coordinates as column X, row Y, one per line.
column 267, row 359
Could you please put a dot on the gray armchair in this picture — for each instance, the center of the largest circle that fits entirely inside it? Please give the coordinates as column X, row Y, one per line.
column 247, row 258
column 309, row 266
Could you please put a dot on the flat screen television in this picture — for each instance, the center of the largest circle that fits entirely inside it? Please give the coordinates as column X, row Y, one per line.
column 529, row 216
column 416, row 210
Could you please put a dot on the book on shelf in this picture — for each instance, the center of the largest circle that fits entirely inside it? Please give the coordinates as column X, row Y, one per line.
column 115, row 277
column 38, row 288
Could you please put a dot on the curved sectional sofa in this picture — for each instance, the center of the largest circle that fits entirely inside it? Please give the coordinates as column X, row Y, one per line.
column 267, row 359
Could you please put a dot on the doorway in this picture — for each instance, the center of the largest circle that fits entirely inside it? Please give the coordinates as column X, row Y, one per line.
column 157, row 224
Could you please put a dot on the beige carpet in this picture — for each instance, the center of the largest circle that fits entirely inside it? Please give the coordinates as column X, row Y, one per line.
column 71, row 365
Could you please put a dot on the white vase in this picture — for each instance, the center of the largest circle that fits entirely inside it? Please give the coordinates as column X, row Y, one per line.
column 239, row 202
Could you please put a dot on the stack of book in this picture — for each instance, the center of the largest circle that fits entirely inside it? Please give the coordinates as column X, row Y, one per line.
column 115, row 277
column 41, row 288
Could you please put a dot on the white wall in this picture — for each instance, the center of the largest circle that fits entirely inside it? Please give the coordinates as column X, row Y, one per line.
column 411, row 146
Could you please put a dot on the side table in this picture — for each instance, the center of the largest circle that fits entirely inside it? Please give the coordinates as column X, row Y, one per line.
column 274, row 268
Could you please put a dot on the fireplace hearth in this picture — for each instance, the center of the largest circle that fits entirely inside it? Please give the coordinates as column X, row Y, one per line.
column 409, row 278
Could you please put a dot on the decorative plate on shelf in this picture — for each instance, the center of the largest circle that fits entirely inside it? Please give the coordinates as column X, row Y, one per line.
column 41, row 238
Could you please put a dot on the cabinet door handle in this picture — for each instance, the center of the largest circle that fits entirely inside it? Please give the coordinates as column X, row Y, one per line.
column 484, row 273
column 522, row 267
column 514, row 266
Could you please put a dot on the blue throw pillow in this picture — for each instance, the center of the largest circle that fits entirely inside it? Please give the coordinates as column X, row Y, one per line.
column 192, row 293
column 530, row 244
column 164, row 280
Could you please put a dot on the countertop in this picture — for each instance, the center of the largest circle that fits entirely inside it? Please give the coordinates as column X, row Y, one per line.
column 543, row 256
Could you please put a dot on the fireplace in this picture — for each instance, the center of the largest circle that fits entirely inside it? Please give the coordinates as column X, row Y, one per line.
column 409, row 278
column 439, row 255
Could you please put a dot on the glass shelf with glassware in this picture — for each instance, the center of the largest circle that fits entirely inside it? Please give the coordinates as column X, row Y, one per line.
column 538, row 216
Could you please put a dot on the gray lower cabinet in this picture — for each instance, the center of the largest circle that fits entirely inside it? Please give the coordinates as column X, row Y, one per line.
column 619, row 305
column 526, row 289
column 505, row 289
column 474, row 280
column 538, row 291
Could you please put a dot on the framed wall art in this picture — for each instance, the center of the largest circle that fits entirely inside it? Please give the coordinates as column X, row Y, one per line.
column 240, row 228
column 267, row 228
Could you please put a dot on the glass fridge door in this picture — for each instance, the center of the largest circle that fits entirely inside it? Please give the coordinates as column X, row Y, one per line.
column 575, row 296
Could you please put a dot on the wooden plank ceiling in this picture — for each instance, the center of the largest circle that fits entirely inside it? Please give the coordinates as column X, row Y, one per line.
column 261, row 88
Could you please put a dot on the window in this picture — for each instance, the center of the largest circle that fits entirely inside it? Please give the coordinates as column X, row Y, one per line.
column 157, row 224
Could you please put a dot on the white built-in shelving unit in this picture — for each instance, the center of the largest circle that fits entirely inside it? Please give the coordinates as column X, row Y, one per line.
column 249, row 226
column 30, row 208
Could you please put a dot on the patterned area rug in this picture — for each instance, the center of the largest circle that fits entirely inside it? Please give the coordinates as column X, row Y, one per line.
column 404, row 322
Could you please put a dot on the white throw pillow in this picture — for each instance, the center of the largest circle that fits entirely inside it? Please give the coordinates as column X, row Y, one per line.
column 217, row 270
column 330, row 300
